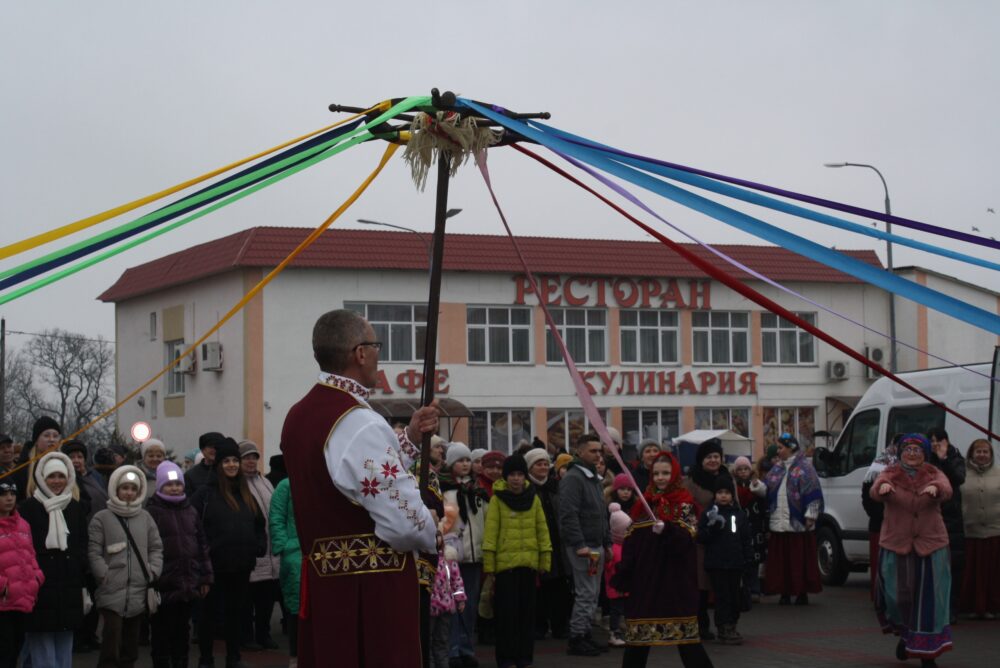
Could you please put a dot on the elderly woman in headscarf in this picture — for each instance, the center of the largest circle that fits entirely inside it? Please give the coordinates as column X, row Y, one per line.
column 59, row 533
column 981, row 509
column 795, row 501
column 914, row 578
column 153, row 452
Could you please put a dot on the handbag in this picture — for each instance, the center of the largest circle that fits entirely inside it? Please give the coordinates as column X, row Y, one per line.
column 152, row 596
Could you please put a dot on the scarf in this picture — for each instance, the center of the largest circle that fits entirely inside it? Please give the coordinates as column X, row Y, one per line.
column 743, row 494
column 485, row 484
column 470, row 496
column 55, row 505
column 885, row 459
column 171, row 499
column 116, row 505
column 516, row 502
column 979, row 468
column 674, row 503
column 802, row 487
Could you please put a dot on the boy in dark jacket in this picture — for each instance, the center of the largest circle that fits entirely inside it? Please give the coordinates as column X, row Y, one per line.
column 725, row 532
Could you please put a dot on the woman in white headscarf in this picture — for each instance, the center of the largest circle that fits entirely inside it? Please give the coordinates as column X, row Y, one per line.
column 59, row 533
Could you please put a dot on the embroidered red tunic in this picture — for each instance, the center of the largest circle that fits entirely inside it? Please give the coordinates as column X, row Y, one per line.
column 359, row 516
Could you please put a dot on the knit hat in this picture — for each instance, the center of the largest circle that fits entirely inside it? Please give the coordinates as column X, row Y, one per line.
column 75, row 445
column 52, row 465
column 535, row 455
column 648, row 443
column 5, row 438
column 771, row 452
column 477, row 454
column 493, row 457
column 620, row 522
column 788, row 441
column 621, row 481
column 152, row 443
column 706, row 448
column 119, row 449
column 209, row 439
column 916, row 439
column 127, row 475
column 192, row 455
column 43, row 423
column 616, row 436
column 456, row 451
column 247, row 449
column 514, row 464
column 741, row 461
column 166, row 472
column 724, row 482
column 563, row 459
column 226, row 448
column 104, row 457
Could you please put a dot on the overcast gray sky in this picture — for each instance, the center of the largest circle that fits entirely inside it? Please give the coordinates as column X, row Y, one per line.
column 104, row 102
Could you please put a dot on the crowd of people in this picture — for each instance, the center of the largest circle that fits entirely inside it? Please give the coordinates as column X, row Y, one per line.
column 529, row 546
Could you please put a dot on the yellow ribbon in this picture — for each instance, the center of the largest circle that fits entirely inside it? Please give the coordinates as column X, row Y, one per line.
column 390, row 150
column 65, row 230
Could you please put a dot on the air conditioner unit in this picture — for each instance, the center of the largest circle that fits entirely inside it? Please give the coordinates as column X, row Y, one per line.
column 186, row 365
column 211, row 356
column 836, row 370
column 876, row 355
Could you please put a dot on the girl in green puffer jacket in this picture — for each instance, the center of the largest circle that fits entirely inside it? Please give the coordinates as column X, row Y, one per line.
column 285, row 544
column 516, row 548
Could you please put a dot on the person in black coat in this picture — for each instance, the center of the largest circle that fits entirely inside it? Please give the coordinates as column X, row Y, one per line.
column 725, row 532
column 59, row 534
column 202, row 473
column 555, row 600
column 950, row 461
column 234, row 526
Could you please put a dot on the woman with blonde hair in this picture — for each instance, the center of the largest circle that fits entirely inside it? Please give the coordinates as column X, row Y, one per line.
column 981, row 510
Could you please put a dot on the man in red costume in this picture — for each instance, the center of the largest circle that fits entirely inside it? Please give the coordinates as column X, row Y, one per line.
column 357, row 509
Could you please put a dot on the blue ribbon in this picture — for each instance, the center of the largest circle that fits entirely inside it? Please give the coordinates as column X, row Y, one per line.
column 848, row 265
column 745, row 195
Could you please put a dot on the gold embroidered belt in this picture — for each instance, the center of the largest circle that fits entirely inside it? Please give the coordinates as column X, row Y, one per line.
column 356, row 554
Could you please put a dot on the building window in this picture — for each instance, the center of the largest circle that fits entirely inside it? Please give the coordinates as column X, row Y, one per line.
column 402, row 329
column 784, row 343
column 175, row 379
column 661, row 425
column 563, row 428
column 499, row 335
column 584, row 332
column 152, row 326
column 500, row 429
column 154, row 412
column 734, row 419
column 798, row 421
column 720, row 337
column 649, row 337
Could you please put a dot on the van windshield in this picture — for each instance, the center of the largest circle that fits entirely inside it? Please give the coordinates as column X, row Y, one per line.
column 856, row 448
column 909, row 419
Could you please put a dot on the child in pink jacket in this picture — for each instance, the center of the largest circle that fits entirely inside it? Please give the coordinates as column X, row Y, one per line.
column 20, row 576
column 620, row 522
column 447, row 598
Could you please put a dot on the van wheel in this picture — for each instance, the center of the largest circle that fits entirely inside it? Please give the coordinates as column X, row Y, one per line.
column 832, row 563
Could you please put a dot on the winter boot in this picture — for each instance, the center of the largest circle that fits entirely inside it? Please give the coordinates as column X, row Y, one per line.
column 596, row 644
column 733, row 636
column 578, row 646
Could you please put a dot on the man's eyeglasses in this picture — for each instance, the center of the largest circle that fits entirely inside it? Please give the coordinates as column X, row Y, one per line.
column 913, row 450
column 377, row 345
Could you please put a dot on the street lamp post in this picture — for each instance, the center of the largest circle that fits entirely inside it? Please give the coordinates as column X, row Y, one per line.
column 888, row 256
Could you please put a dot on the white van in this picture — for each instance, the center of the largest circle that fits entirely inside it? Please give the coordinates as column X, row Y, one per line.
column 887, row 409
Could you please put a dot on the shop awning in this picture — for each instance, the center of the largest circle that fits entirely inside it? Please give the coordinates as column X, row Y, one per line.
column 404, row 408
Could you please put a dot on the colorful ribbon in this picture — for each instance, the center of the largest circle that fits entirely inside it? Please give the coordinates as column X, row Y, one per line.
column 848, row 265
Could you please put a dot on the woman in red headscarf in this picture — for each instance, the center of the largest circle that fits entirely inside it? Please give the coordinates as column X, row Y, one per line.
column 659, row 571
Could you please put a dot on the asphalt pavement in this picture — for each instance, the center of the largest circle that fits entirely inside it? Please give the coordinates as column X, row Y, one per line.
column 838, row 628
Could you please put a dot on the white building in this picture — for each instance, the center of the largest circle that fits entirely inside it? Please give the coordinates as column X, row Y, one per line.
column 664, row 348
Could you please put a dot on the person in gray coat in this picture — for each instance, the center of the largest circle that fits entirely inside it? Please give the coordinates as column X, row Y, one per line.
column 586, row 538
column 115, row 564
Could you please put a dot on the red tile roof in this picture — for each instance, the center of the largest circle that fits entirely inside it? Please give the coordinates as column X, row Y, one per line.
column 386, row 251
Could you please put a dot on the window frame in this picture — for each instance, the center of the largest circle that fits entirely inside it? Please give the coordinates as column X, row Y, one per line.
column 731, row 332
column 491, row 413
column 659, row 423
column 660, row 330
column 172, row 350
column 386, row 355
column 801, row 335
column 511, row 327
column 729, row 409
column 586, row 327
column 564, row 412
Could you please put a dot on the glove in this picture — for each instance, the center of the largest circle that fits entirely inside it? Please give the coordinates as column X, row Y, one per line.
column 758, row 488
column 715, row 518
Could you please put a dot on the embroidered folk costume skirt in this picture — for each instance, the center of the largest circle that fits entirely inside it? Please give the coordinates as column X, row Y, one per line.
column 791, row 568
column 981, row 579
column 912, row 600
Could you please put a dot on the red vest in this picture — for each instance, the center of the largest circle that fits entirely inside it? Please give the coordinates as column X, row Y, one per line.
column 360, row 598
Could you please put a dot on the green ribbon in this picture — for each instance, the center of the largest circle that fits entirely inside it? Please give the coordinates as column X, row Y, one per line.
column 320, row 153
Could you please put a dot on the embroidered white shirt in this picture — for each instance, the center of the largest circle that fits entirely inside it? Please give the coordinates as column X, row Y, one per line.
column 369, row 464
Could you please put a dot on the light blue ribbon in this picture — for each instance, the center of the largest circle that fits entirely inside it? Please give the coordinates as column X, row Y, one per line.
column 848, row 265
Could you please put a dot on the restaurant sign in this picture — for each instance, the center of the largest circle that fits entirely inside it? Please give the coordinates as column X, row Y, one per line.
column 623, row 292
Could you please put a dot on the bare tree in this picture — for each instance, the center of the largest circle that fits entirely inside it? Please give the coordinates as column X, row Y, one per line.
column 64, row 375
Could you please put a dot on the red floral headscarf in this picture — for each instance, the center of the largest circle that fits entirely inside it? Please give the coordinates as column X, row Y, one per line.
column 673, row 504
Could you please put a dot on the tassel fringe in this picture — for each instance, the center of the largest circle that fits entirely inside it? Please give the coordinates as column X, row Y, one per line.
column 444, row 132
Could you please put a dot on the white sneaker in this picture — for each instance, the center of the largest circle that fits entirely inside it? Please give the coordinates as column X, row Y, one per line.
column 616, row 640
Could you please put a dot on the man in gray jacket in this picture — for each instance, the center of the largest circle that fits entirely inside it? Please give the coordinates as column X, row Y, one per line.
column 586, row 537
